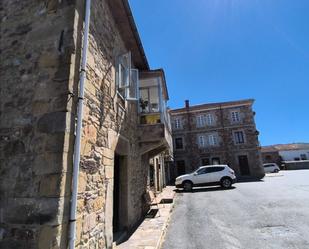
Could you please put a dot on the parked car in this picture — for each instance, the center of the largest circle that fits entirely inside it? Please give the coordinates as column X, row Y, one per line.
column 207, row 176
column 271, row 168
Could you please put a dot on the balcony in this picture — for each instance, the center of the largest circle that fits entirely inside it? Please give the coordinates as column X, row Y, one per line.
column 154, row 120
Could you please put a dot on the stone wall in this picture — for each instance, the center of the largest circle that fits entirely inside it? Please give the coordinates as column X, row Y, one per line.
column 35, row 172
column 40, row 60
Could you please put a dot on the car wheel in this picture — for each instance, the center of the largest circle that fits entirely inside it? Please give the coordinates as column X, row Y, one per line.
column 226, row 182
column 276, row 171
column 187, row 186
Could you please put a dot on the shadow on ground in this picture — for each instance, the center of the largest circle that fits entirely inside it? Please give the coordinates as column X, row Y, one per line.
column 204, row 189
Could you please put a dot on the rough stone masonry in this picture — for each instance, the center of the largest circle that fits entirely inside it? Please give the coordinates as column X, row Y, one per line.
column 40, row 58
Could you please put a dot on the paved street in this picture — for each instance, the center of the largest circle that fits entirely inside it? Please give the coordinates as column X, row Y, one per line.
column 273, row 213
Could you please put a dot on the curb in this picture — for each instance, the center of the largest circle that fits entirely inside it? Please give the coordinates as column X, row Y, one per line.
column 165, row 226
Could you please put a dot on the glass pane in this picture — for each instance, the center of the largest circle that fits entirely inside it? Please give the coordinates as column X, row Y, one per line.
column 144, row 100
column 133, row 87
column 154, row 99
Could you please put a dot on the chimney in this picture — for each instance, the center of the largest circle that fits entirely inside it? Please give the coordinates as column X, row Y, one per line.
column 187, row 104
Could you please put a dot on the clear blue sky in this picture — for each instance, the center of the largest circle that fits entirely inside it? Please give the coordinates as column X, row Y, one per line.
column 221, row 50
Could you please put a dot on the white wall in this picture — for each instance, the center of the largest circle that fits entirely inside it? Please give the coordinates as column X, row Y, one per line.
column 290, row 155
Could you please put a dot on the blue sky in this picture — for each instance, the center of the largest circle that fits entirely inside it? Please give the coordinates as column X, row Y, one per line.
column 221, row 50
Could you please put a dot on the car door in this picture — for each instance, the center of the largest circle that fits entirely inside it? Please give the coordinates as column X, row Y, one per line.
column 216, row 174
column 202, row 176
column 267, row 168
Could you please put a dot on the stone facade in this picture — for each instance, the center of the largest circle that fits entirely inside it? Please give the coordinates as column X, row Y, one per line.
column 217, row 133
column 40, row 60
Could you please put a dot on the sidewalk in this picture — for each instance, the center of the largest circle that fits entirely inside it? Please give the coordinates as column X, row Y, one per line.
column 150, row 233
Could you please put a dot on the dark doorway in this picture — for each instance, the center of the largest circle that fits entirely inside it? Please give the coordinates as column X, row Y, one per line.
column 120, row 196
column 116, row 193
column 181, row 167
column 158, row 168
column 151, row 176
column 243, row 165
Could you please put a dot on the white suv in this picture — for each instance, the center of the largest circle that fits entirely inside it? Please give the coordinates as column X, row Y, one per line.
column 206, row 176
column 271, row 168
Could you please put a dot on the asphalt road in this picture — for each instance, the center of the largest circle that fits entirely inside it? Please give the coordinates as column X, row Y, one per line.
column 272, row 213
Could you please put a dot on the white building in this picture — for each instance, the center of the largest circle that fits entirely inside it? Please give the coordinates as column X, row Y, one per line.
column 294, row 155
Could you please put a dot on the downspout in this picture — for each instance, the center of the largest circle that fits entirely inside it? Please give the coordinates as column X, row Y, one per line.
column 76, row 159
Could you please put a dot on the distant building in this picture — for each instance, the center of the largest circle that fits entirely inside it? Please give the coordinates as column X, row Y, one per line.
column 285, row 152
column 217, row 133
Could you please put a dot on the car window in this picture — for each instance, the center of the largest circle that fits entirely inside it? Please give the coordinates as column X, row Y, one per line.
column 202, row 171
column 214, row 169
column 268, row 165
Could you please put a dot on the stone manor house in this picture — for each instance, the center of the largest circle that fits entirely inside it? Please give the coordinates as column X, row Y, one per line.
column 217, row 133
column 126, row 142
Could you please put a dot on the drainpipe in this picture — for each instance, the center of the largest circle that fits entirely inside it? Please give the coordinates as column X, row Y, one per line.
column 76, row 159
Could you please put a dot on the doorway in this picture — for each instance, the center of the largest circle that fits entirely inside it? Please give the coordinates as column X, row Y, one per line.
column 181, row 168
column 120, row 196
column 243, row 165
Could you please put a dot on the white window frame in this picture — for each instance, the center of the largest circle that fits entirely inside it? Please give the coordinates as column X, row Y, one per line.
column 200, row 121
column 235, row 116
column 235, row 138
column 209, row 117
column 132, row 91
column 201, row 141
column 212, row 140
column 177, row 123
column 127, row 80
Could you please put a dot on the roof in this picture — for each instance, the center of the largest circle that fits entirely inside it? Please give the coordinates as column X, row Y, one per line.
column 215, row 105
column 283, row 147
column 128, row 31
column 155, row 73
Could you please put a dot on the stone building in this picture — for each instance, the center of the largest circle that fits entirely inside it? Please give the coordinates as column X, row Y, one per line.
column 217, row 133
column 40, row 47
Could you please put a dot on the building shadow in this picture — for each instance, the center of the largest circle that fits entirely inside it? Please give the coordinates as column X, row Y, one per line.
column 246, row 180
column 204, row 189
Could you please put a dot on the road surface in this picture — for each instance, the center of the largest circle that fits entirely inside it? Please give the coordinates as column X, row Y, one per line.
column 267, row 214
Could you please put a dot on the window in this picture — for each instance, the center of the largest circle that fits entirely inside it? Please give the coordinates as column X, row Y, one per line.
column 209, row 119
column 207, row 140
column 214, row 169
column 212, row 140
column 202, row 171
column 235, row 116
column 201, row 141
column 239, row 137
column 178, row 143
column 126, row 77
column 200, row 120
column 303, row 157
column 205, row 161
column 177, row 123
column 268, row 165
column 215, row 161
